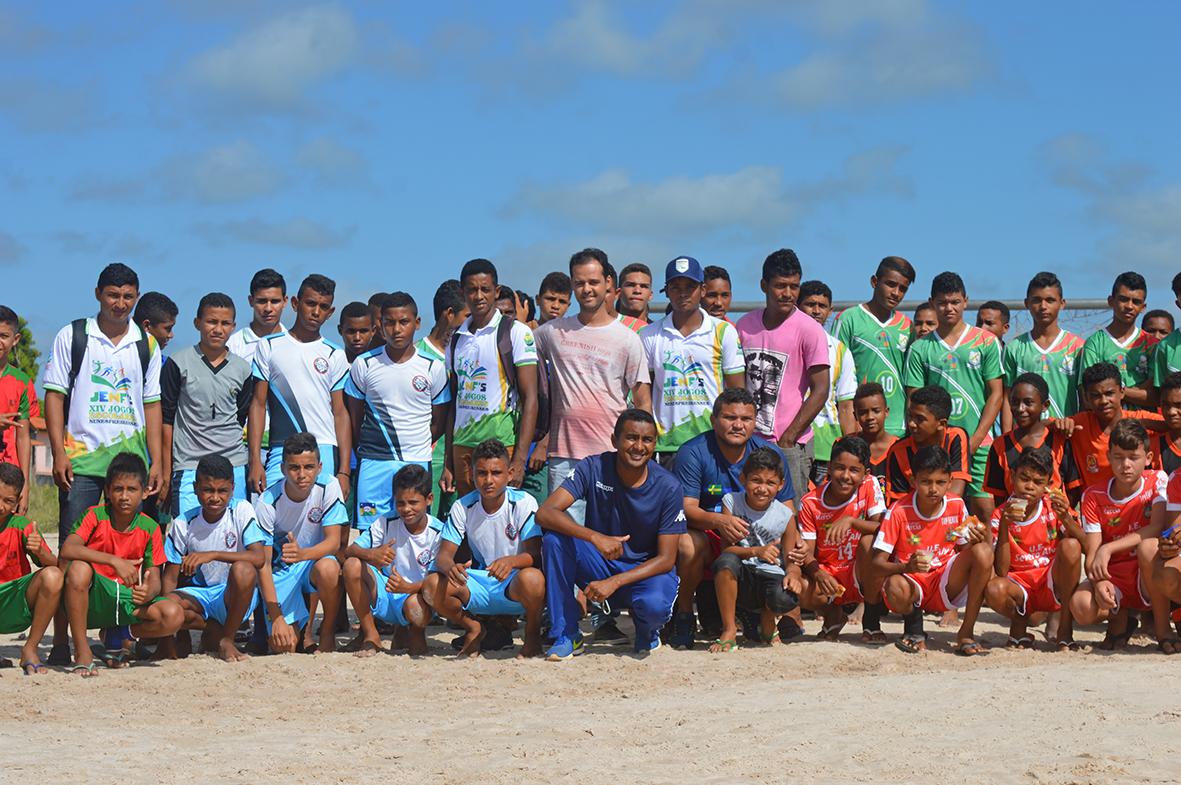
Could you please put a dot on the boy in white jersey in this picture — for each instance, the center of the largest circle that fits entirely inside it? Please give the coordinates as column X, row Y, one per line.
column 502, row 578
column 300, row 381
column 214, row 554
column 268, row 298
column 303, row 520
column 388, row 563
column 397, row 401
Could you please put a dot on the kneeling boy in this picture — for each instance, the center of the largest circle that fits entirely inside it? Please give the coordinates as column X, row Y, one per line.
column 386, row 566
column 217, row 551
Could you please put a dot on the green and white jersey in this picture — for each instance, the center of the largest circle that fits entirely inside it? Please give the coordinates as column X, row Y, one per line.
column 964, row 370
column 1133, row 356
column 879, row 352
column 687, row 375
column 106, row 415
column 428, row 349
column 826, row 428
column 1167, row 358
column 1060, row 365
column 485, row 405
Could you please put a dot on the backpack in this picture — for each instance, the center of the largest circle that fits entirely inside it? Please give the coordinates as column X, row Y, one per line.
column 78, row 353
column 504, row 350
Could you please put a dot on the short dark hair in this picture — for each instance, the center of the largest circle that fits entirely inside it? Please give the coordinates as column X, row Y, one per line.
column 376, row 298
column 868, row 390
column 413, row 477
column 734, row 395
column 713, row 272
column 1170, row 382
column 127, row 463
column 609, row 273
column 631, row 415
column 556, row 282
column 853, row 445
column 635, row 267
column 1044, row 280
column 300, row 443
column 448, row 297
column 1130, row 280
column 355, row 310
column 814, row 288
column 1100, row 372
column 477, row 267
column 1155, row 313
column 782, row 264
column 154, row 308
column 1038, row 459
column 923, row 306
column 995, row 305
column 588, row 255
column 898, row 265
column 8, row 316
column 527, row 303
column 215, row 300
column 764, row 458
column 215, row 467
column 1176, row 287
column 1129, row 434
column 504, row 292
column 948, row 283
column 1035, row 381
column 930, row 459
column 489, row 449
column 117, row 274
column 935, row 399
column 12, row 476
column 266, row 278
column 399, row 300
column 320, row 284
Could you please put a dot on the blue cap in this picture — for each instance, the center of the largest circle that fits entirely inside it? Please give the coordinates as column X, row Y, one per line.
column 684, row 267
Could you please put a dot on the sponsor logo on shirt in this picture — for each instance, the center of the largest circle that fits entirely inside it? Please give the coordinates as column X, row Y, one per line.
column 321, row 365
column 367, row 508
column 420, row 383
column 511, row 531
column 111, row 402
column 604, row 488
column 231, row 540
column 315, row 514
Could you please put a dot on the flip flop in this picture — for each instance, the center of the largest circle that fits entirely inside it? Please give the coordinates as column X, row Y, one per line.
column 115, row 660
column 723, row 646
column 1118, row 640
column 1024, row 642
column 969, row 648
column 88, row 671
column 912, row 643
column 1169, row 646
column 874, row 638
column 33, row 668
column 831, row 633
column 1068, row 645
column 5, row 663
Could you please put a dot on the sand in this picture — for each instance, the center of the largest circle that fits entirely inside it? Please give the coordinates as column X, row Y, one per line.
column 808, row 711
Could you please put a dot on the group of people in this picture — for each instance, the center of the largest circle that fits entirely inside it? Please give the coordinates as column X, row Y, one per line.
column 519, row 463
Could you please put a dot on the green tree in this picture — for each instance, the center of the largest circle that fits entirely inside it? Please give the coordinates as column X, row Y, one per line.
column 25, row 355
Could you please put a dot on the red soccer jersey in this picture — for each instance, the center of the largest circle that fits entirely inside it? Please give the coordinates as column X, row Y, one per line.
column 17, row 395
column 1032, row 542
column 815, row 515
column 902, row 452
column 1113, row 518
column 1089, row 445
column 140, row 540
column 14, row 560
column 905, row 531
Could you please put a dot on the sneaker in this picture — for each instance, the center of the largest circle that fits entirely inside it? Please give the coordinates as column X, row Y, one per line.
column 653, row 646
column 609, row 634
column 564, row 649
column 684, row 625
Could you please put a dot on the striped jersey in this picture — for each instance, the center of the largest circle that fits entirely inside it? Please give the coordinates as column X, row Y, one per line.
column 301, row 378
column 398, row 400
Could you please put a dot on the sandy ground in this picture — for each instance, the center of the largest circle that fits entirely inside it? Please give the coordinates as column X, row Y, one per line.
column 824, row 712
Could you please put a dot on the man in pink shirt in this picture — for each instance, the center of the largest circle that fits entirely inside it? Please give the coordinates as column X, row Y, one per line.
column 787, row 366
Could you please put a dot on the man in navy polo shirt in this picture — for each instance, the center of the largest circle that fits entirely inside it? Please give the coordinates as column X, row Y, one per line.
column 626, row 552
column 708, row 466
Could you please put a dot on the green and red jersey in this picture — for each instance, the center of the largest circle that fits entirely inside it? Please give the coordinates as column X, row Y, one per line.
column 18, row 395
column 14, row 559
column 1132, row 356
column 879, row 352
column 140, row 540
column 1059, row 365
column 964, row 369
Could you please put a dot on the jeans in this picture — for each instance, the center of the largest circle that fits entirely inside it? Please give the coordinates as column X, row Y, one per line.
column 84, row 493
column 559, row 470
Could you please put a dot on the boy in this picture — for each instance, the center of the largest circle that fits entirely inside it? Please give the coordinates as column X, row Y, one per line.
column 1036, row 561
column 1116, row 516
column 993, row 316
column 27, row 599
column 872, row 412
column 752, row 574
column 1166, row 446
column 553, row 297
column 1046, row 350
column 450, row 311
column 303, row 520
column 1103, row 394
column 965, row 361
column 923, row 322
column 837, row 522
column 635, row 294
column 506, row 302
column 18, row 404
column 113, row 557
column 502, row 577
column 716, row 299
column 357, row 329
column 1157, row 323
column 214, row 553
column 1160, row 570
column 1028, row 398
column 156, row 313
column 836, row 418
column 388, row 563
column 877, row 334
column 1167, row 357
column 373, row 305
column 397, row 401
column 299, row 383
column 933, row 556
column 268, row 298
column 1122, row 343
column 205, row 393
column 926, row 420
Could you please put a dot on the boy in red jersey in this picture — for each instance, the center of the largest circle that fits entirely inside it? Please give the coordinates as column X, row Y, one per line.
column 1037, row 562
column 1028, row 401
column 837, row 522
column 933, row 555
column 871, row 412
column 1160, row 570
column 926, row 420
column 1116, row 516
column 113, row 576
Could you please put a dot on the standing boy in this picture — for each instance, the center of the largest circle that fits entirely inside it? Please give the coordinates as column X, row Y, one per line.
column 927, row 421
column 450, row 311
column 836, row 418
column 635, row 294
column 1166, row 445
column 357, row 329
column 1158, row 324
column 1123, row 344
column 553, row 297
column 1046, row 350
column 156, row 313
column 1028, row 398
column 871, row 412
column 993, row 316
column 268, row 298
column 718, row 292
column 18, row 405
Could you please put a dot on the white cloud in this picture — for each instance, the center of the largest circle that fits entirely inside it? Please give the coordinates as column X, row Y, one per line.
column 271, row 66
column 302, row 233
column 332, row 163
column 232, row 172
column 12, row 250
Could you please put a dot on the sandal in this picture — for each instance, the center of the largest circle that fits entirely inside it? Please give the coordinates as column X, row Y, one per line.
column 972, row 648
column 34, row 668
column 831, row 633
column 1169, row 646
column 912, row 643
column 874, row 638
column 87, row 671
column 1024, row 642
column 720, row 646
column 1112, row 641
column 115, row 660
column 1069, row 644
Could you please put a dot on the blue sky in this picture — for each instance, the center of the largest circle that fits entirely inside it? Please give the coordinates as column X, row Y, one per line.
column 199, row 140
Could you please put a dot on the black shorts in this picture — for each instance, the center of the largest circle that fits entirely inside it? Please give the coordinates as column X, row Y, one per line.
column 756, row 590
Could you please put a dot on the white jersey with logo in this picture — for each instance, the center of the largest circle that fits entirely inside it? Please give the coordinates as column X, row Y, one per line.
column 398, row 400
column 191, row 533
column 492, row 536
column 413, row 553
column 279, row 515
column 244, row 342
column 484, row 403
column 301, row 378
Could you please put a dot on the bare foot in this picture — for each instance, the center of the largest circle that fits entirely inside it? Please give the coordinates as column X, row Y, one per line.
column 327, row 644
column 855, row 616
column 950, row 619
column 417, row 647
column 229, row 652
column 530, row 649
column 368, row 649
column 471, row 643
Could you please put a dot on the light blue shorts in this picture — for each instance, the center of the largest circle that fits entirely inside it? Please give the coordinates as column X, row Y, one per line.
column 184, row 495
column 213, row 601
column 489, row 597
column 375, row 489
column 291, row 584
column 327, row 464
column 387, row 605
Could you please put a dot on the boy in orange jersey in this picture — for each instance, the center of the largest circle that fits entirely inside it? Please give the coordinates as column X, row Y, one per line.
column 926, row 420
column 1028, row 402
column 871, row 412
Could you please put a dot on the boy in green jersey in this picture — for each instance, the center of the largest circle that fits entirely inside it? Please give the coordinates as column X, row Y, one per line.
column 1047, row 350
column 877, row 334
column 1167, row 358
column 965, row 361
column 1125, row 345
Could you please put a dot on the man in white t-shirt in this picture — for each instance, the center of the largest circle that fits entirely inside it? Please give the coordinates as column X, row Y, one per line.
column 268, row 298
